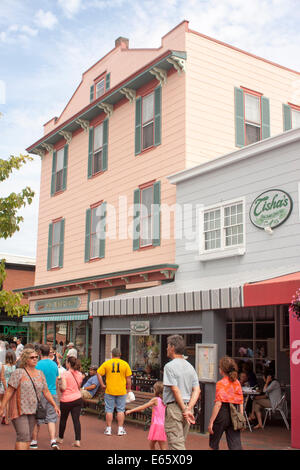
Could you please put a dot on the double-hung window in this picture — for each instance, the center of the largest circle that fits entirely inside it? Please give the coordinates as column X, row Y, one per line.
column 146, row 216
column 252, row 117
column 95, row 232
column 148, row 121
column 100, row 86
column 291, row 116
column 59, row 170
column 56, row 244
column 98, row 149
column 223, row 229
column 295, row 118
column 98, row 143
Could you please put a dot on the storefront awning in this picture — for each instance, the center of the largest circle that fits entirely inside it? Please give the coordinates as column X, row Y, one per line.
column 175, row 296
column 274, row 291
column 56, row 317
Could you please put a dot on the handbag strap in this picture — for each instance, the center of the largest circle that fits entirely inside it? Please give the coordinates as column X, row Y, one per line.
column 33, row 385
column 75, row 379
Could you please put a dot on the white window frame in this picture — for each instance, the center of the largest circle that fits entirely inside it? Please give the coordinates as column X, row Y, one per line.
column 97, row 94
column 256, row 124
column 223, row 251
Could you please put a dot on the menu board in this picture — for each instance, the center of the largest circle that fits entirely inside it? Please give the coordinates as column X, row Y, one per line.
column 207, row 362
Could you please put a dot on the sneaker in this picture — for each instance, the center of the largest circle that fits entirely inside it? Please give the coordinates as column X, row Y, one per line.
column 121, row 432
column 33, row 445
column 107, row 432
column 54, row 445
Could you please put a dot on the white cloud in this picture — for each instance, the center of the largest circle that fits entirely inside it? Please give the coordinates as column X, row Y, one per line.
column 28, row 30
column 70, row 7
column 45, row 19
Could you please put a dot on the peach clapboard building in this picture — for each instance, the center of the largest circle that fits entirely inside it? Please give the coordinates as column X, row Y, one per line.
column 137, row 116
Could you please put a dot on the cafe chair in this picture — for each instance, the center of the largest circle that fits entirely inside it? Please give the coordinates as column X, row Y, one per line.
column 282, row 408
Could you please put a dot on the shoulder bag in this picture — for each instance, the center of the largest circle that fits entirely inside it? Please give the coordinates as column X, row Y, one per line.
column 40, row 410
column 238, row 419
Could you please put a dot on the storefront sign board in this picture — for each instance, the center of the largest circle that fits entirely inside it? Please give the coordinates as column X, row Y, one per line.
column 140, row 328
column 59, row 304
column 271, row 208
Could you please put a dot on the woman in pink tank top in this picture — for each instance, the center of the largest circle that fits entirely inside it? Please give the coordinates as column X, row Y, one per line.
column 157, row 428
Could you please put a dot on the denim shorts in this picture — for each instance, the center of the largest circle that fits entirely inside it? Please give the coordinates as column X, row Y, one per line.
column 114, row 401
column 51, row 416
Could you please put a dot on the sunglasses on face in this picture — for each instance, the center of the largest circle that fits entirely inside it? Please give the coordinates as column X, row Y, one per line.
column 33, row 357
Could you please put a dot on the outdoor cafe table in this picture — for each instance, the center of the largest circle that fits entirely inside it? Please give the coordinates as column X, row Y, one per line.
column 248, row 392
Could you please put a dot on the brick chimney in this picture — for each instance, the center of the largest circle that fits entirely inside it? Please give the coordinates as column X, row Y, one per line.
column 122, row 42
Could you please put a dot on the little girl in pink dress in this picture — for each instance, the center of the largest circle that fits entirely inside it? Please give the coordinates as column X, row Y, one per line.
column 157, row 428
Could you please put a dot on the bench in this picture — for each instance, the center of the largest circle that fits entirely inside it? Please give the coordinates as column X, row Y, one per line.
column 96, row 405
column 142, row 416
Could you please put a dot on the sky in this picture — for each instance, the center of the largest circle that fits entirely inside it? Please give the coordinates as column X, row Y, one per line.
column 46, row 45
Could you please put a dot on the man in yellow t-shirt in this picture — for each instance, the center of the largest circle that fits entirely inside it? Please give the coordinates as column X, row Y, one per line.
column 118, row 382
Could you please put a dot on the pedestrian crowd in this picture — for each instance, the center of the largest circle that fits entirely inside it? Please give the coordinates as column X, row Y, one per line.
column 40, row 384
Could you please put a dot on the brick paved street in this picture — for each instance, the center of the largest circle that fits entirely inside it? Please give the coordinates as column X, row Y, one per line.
column 274, row 437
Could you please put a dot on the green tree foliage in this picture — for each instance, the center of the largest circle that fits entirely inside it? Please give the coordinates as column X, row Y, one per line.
column 9, row 224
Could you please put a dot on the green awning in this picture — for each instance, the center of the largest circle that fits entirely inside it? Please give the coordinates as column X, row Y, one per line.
column 56, row 317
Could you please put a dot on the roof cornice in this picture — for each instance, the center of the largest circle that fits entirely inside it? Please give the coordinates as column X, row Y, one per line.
column 164, row 62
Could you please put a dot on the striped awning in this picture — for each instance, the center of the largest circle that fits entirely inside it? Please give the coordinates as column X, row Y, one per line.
column 56, row 317
column 168, row 298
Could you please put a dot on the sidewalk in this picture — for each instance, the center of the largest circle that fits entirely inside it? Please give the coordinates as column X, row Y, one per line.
column 274, row 437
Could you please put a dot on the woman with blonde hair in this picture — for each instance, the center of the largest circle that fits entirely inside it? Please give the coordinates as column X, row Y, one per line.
column 25, row 387
column 228, row 390
column 6, row 371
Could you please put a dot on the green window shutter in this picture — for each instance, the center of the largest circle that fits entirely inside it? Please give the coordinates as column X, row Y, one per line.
column 87, row 235
column 138, row 125
column 265, row 117
column 66, row 150
column 102, row 230
column 49, row 258
column 53, row 173
column 156, row 214
column 61, row 243
column 157, row 116
column 239, row 117
column 107, row 82
column 91, row 147
column 105, row 145
column 92, row 93
column 136, row 219
column 287, row 117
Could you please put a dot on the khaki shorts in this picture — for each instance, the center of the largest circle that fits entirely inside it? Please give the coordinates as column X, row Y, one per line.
column 85, row 394
column 24, row 426
column 176, row 427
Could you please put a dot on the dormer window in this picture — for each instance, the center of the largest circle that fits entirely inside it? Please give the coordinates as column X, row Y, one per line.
column 100, row 86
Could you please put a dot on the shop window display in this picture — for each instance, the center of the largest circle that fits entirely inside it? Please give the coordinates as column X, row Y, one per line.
column 145, row 355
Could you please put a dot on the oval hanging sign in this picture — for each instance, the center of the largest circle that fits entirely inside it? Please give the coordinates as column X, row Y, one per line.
column 271, row 209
